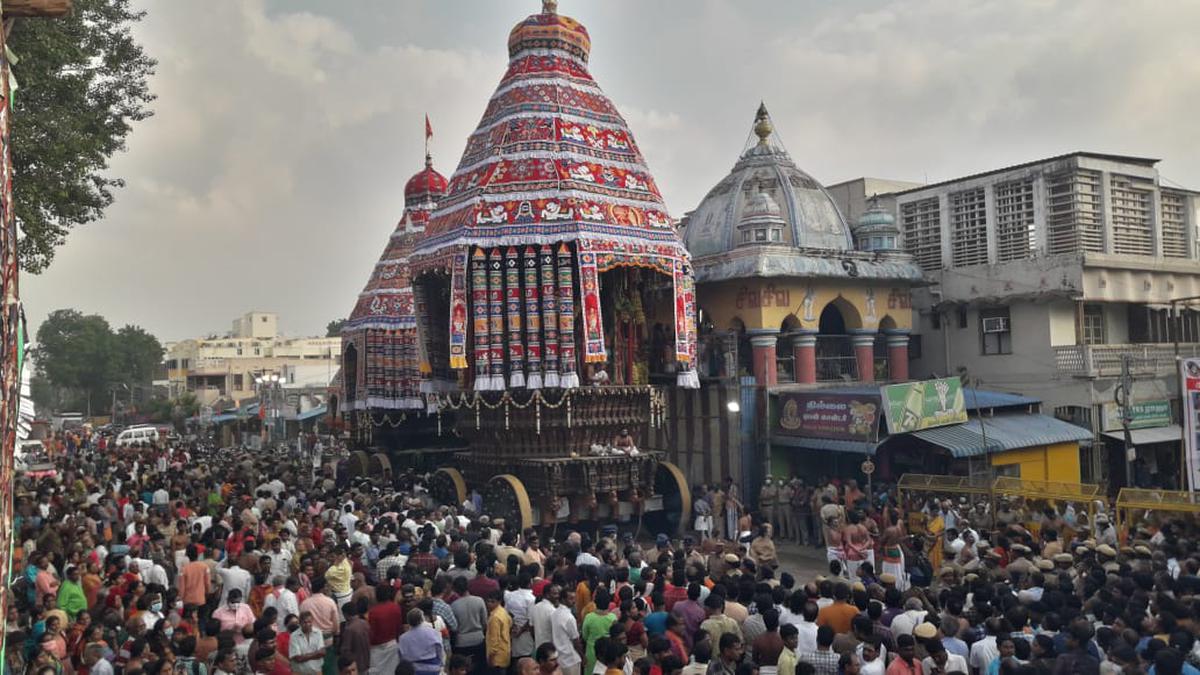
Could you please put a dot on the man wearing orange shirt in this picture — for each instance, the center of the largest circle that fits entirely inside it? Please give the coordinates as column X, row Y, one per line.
column 195, row 581
column 838, row 615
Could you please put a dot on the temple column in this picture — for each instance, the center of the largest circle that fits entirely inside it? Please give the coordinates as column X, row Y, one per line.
column 804, row 352
column 864, row 353
column 897, row 350
column 765, row 367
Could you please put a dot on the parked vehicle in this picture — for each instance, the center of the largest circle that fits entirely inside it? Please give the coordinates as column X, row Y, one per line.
column 137, row 435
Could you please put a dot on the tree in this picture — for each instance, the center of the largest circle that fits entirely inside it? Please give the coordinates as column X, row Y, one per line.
column 74, row 352
column 84, row 82
column 136, row 356
column 334, row 328
column 81, row 358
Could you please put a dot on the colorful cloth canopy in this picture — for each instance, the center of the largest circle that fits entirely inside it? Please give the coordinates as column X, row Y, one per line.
column 551, row 192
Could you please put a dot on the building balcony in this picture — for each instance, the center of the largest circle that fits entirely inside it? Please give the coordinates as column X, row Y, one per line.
column 1105, row 360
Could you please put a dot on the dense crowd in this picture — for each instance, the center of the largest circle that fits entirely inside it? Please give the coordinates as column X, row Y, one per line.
column 200, row 561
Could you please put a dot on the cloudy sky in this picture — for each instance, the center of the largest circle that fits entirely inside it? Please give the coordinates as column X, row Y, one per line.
column 272, row 172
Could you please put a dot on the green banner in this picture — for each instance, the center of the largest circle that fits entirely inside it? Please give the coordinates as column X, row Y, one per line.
column 1146, row 415
column 921, row 405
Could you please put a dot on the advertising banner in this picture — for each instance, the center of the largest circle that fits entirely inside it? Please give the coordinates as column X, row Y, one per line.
column 1146, row 415
column 843, row 417
column 914, row 406
column 1189, row 375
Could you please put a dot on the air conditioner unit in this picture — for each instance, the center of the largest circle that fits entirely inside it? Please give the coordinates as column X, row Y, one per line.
column 995, row 324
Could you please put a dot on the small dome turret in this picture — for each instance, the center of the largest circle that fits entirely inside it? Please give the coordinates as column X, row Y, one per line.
column 876, row 229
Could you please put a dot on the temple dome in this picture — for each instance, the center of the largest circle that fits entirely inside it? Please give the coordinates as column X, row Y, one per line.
column 876, row 229
column 766, row 184
column 427, row 185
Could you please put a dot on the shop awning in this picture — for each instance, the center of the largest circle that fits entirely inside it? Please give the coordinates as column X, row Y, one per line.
column 1002, row 432
column 1171, row 433
column 811, row 443
column 312, row 412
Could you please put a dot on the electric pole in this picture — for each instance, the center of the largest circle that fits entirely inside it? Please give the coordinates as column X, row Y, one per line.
column 1122, row 395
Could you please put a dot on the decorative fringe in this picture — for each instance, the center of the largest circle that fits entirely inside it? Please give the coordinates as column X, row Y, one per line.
column 426, row 386
column 570, row 381
column 535, row 381
column 517, row 380
column 552, row 381
column 688, row 379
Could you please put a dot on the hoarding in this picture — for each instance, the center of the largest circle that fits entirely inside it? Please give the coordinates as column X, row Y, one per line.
column 914, row 406
column 846, row 417
column 1146, row 415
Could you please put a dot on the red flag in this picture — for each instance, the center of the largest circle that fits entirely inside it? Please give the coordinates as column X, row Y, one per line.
column 428, row 128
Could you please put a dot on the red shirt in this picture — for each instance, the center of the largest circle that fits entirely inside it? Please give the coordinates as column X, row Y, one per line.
column 385, row 620
column 673, row 594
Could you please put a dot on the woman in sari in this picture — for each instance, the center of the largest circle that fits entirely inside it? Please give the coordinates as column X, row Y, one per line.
column 935, row 531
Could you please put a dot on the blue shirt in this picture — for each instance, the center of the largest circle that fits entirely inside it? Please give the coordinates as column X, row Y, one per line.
column 656, row 624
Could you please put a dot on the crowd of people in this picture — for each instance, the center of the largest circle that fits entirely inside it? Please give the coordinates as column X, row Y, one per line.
column 199, row 561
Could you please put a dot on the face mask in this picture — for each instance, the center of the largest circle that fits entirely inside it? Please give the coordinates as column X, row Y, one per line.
column 234, row 605
column 168, row 631
column 156, row 607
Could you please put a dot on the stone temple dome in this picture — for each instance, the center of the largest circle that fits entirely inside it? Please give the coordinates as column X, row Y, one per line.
column 766, row 199
column 876, row 229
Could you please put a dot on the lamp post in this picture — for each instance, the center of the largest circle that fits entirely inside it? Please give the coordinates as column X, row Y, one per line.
column 270, row 386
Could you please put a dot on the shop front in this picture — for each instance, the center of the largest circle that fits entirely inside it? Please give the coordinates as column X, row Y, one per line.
column 1158, row 443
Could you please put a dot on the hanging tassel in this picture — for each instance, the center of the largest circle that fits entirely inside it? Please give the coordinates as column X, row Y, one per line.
column 549, row 315
column 566, row 320
column 496, row 319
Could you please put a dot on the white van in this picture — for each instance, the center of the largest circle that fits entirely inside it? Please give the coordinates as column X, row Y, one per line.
column 134, row 436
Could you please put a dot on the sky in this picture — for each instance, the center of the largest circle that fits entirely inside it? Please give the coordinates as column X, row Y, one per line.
column 272, row 172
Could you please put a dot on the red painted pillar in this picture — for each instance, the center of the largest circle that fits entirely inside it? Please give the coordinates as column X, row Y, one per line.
column 804, row 351
column 864, row 354
column 765, row 366
column 897, row 348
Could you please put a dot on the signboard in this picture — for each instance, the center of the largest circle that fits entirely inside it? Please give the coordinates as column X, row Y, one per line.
column 1146, row 415
column 1189, row 377
column 914, row 406
column 846, row 417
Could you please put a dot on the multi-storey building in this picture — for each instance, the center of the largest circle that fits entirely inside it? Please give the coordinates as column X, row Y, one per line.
column 1044, row 276
column 226, row 367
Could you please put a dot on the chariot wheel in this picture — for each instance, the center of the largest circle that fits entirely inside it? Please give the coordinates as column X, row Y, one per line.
column 358, row 464
column 505, row 497
column 447, row 487
column 670, row 484
column 380, row 465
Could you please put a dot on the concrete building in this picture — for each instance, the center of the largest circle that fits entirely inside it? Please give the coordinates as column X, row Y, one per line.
column 853, row 196
column 225, row 367
column 1042, row 276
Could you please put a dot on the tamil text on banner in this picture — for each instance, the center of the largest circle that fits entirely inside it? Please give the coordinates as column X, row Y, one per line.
column 913, row 406
column 1189, row 375
column 847, row 417
column 1145, row 415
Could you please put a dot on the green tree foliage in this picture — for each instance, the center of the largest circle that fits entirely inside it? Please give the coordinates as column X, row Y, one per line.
column 83, row 83
column 81, row 358
column 334, row 328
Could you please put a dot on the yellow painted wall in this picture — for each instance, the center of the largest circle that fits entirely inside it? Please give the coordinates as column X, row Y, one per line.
column 765, row 303
column 1059, row 462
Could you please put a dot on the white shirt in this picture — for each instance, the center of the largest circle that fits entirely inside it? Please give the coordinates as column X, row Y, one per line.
column 286, row 602
column 808, row 636
column 565, row 632
column 518, row 603
column 954, row 664
column 539, row 616
column 904, row 623
column 234, row 577
column 983, row 653
column 302, row 644
column 280, row 562
column 161, row 497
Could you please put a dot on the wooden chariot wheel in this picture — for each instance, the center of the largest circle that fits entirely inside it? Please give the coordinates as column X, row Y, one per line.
column 670, row 484
column 505, row 497
column 447, row 487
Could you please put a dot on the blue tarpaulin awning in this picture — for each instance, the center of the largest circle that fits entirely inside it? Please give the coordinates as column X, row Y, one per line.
column 811, row 443
column 1002, row 432
column 311, row 413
